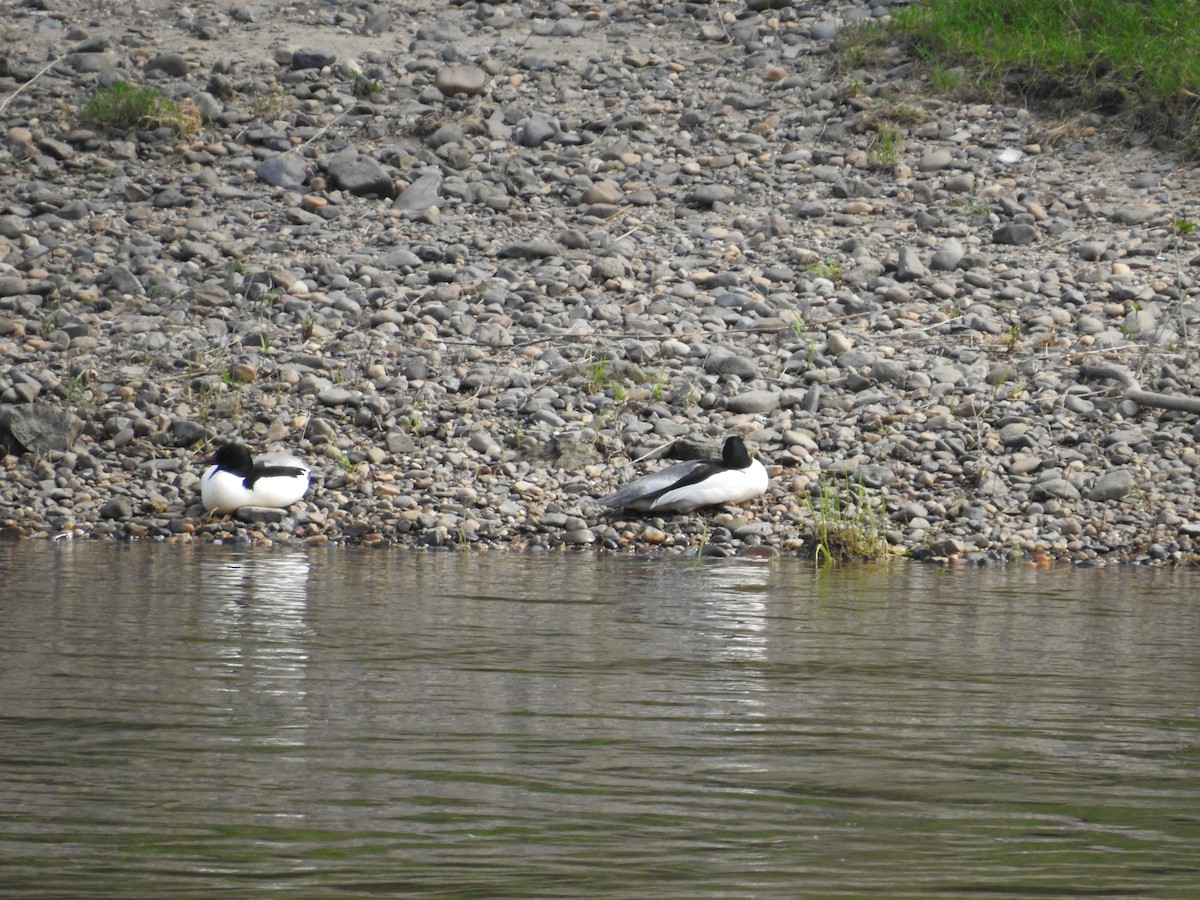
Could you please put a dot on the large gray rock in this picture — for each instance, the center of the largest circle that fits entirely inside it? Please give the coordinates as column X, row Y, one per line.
column 313, row 58
column 116, row 508
column 910, row 267
column 1016, row 233
column 947, row 255
column 424, row 193
column 722, row 362
column 172, row 64
column 708, row 194
column 38, row 428
column 123, row 281
column 935, row 160
column 1112, row 485
column 536, row 131
column 186, row 432
column 360, row 175
column 753, row 402
column 536, row 248
column 285, row 171
column 461, row 79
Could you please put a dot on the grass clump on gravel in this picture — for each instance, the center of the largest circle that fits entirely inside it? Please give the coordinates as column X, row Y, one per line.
column 846, row 526
column 122, row 105
column 1137, row 58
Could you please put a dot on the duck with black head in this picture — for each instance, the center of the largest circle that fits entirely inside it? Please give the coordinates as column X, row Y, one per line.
column 235, row 479
column 734, row 478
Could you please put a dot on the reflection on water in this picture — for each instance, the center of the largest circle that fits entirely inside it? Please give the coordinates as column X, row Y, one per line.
column 337, row 723
column 259, row 624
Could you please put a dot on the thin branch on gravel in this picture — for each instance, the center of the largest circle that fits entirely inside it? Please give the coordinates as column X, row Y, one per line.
column 324, row 128
column 1182, row 226
column 657, row 451
column 42, row 71
column 1134, row 392
column 526, row 339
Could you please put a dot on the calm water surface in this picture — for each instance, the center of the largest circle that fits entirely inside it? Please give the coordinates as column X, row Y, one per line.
column 217, row 721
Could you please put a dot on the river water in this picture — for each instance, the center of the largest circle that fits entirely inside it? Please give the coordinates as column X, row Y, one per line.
column 219, row 721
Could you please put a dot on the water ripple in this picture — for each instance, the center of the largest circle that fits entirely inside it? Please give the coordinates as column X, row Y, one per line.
column 331, row 723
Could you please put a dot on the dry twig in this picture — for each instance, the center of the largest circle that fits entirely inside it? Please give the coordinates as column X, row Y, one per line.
column 1134, row 391
column 40, row 72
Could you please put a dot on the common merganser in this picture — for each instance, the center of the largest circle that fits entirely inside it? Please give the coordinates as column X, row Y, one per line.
column 235, row 479
column 734, row 478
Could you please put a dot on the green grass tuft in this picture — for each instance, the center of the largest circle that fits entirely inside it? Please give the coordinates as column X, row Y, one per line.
column 597, row 373
column 1139, row 58
column 846, row 526
column 364, row 87
column 122, row 105
column 827, row 268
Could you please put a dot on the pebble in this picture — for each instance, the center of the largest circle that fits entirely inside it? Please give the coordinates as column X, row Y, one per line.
column 934, row 161
column 499, row 284
column 423, row 193
column 1017, row 233
column 909, row 266
column 710, row 194
column 947, row 256
column 467, row 80
column 1112, row 485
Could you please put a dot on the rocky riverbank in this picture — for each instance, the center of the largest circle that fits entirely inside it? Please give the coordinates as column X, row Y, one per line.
column 476, row 260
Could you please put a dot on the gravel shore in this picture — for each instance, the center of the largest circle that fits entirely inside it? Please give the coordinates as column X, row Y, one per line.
column 481, row 263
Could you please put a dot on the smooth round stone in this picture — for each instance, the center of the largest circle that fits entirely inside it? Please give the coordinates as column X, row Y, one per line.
column 935, row 160
column 172, row 64
column 284, row 170
column 947, row 255
column 535, row 132
column 461, row 79
column 911, row 512
column 753, row 402
column 1014, row 435
column 423, row 193
column 709, row 194
column 116, row 508
column 1016, row 233
column 1135, row 213
column 875, row 476
column 607, row 267
column 889, row 371
column 312, row 58
column 963, row 183
column 334, row 396
column 726, row 363
column 837, row 343
column 824, row 30
column 652, row 535
column 1112, row 485
column 814, row 209
column 607, row 191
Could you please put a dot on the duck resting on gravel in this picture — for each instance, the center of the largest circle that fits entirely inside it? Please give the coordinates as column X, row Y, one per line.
column 235, row 479
column 734, row 478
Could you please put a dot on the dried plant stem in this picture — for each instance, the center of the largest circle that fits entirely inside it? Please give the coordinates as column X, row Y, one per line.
column 42, row 71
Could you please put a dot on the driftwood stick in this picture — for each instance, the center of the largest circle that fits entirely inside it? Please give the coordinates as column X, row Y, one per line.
column 1134, row 392
column 40, row 72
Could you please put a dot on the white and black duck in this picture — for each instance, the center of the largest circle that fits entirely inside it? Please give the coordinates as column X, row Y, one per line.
column 236, row 479
column 734, row 478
